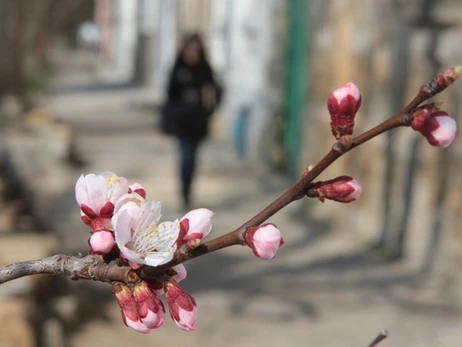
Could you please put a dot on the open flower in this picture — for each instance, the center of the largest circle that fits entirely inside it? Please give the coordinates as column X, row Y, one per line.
column 97, row 194
column 141, row 239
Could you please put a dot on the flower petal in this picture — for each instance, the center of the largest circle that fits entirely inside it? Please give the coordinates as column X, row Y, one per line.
column 126, row 198
column 187, row 319
column 137, row 325
column 122, row 224
column 81, row 192
column 159, row 258
column 168, row 234
column 120, row 188
column 150, row 214
column 97, row 190
column 131, row 208
column 181, row 273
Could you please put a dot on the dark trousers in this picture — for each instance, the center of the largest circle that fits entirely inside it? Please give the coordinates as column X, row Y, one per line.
column 188, row 155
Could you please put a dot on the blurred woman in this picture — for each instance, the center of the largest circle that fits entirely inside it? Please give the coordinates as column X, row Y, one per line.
column 192, row 96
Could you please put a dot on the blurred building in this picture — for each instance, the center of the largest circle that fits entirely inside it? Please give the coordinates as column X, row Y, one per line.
column 250, row 48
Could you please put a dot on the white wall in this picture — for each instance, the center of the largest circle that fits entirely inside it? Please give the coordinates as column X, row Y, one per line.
column 126, row 34
column 243, row 49
column 165, row 48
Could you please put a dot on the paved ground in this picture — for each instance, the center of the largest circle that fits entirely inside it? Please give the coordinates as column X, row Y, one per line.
column 321, row 290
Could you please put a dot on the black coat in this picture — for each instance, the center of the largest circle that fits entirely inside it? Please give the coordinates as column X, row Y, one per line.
column 184, row 114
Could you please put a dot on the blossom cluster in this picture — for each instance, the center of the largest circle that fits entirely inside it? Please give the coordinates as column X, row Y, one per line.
column 126, row 227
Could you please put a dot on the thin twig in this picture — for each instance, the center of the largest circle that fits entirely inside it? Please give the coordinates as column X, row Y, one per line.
column 294, row 193
column 380, row 337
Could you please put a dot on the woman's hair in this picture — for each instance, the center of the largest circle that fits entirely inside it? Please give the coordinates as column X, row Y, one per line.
column 187, row 40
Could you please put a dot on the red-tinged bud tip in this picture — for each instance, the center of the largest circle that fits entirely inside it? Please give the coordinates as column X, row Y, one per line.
column 421, row 114
column 156, row 285
column 138, row 189
column 343, row 104
column 264, row 240
column 442, row 81
column 150, row 309
column 182, row 306
column 102, row 242
column 341, row 189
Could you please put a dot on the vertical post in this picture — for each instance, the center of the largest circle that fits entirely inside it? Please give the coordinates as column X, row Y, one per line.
column 296, row 83
column 398, row 82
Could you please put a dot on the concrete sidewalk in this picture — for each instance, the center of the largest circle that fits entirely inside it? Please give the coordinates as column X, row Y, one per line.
column 321, row 289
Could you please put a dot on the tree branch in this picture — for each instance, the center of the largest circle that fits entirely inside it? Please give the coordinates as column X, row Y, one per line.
column 380, row 337
column 91, row 267
column 95, row 268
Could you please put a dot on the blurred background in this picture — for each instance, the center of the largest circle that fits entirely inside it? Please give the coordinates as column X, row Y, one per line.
column 81, row 87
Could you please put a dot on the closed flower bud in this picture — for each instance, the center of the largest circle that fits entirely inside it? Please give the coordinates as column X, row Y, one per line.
column 438, row 128
column 102, row 242
column 421, row 114
column 129, row 308
column 441, row 81
column 137, row 188
column 264, row 240
column 182, row 306
column 342, row 189
column 343, row 104
column 150, row 309
column 194, row 226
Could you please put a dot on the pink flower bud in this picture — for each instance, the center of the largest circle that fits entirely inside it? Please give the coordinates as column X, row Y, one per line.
column 195, row 225
column 150, row 309
column 341, row 189
column 445, row 130
column 343, row 104
column 182, row 306
column 137, row 188
column 441, row 81
column 438, row 128
column 264, row 240
column 102, row 242
column 129, row 308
